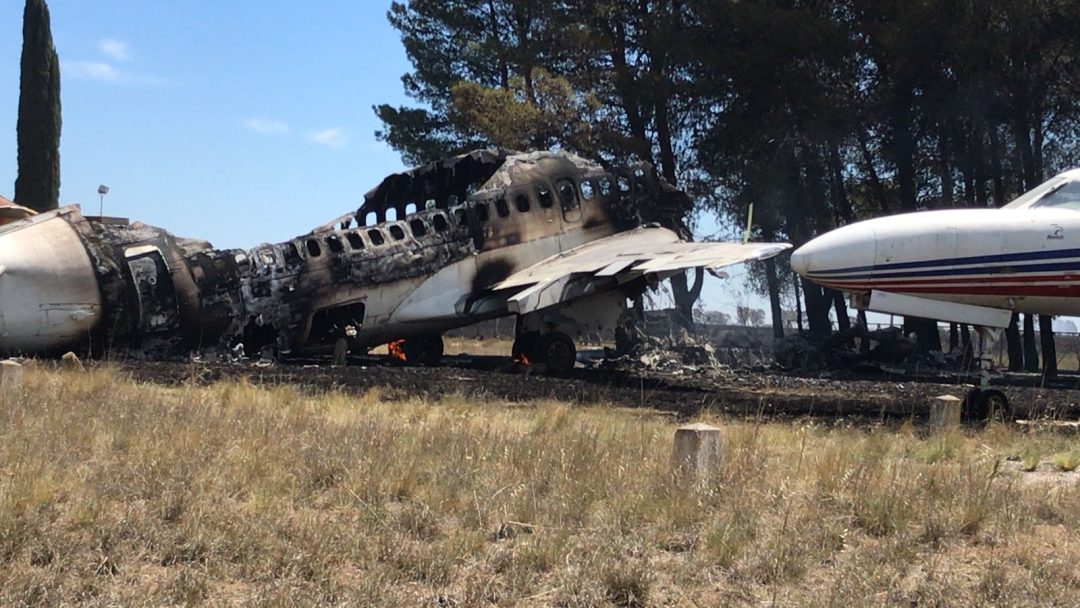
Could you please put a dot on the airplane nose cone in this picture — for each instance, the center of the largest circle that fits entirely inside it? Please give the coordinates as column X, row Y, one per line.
column 800, row 260
column 840, row 250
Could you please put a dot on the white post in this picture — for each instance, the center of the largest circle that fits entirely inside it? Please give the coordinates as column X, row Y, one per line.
column 945, row 411
column 10, row 375
column 698, row 450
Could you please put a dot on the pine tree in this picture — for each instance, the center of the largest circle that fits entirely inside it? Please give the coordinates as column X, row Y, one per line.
column 38, row 183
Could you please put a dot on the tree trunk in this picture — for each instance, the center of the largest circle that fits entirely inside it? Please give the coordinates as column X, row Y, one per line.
column 817, row 308
column 798, row 306
column 1049, row 349
column 774, row 298
column 864, row 343
column 685, row 297
column 954, row 336
column 843, row 322
column 1015, row 346
column 1031, row 353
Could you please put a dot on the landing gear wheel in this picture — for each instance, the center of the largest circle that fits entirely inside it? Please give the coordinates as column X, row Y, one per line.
column 425, row 349
column 557, row 351
column 525, row 346
column 986, row 405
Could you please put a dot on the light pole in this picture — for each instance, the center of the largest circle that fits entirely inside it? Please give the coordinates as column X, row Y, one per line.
column 102, row 190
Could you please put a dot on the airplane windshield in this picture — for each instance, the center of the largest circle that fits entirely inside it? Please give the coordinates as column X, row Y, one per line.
column 1025, row 200
column 1065, row 197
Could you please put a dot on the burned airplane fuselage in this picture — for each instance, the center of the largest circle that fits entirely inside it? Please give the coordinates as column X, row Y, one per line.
column 420, row 256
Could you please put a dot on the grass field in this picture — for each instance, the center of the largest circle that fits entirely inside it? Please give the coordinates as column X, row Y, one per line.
column 124, row 494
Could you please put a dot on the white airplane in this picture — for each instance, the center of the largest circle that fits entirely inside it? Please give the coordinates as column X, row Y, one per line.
column 553, row 239
column 975, row 266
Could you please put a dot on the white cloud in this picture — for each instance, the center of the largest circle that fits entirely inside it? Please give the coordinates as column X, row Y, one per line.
column 105, row 72
column 333, row 137
column 266, row 127
column 91, row 70
column 115, row 49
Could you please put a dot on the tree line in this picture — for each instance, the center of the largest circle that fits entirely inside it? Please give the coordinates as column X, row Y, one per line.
column 819, row 112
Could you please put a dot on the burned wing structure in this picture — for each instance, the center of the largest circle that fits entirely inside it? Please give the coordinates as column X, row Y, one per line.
column 548, row 236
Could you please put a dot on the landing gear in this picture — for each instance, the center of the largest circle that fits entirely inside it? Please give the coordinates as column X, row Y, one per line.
column 555, row 350
column 424, row 349
column 985, row 404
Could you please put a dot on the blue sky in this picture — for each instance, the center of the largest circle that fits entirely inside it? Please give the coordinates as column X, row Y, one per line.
column 218, row 120
column 235, row 122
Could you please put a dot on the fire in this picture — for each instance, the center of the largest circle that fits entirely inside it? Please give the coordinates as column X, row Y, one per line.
column 395, row 349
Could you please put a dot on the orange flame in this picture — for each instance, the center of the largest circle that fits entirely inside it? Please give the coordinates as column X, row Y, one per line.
column 522, row 359
column 395, row 349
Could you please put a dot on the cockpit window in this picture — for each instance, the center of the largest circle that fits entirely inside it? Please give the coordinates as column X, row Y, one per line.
column 1026, row 199
column 1066, row 196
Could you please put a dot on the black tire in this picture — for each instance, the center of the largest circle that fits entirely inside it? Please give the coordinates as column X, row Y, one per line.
column 526, row 344
column 969, row 408
column 994, row 406
column 982, row 406
column 557, row 351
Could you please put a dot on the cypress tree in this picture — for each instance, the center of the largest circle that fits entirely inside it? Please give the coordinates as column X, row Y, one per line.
column 38, row 183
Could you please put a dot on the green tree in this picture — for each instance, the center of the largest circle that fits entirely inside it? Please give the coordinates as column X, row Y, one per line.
column 38, row 132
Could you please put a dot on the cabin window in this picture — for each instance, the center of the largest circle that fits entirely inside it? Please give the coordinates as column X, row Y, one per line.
column 335, row 245
column 439, row 222
column 292, row 254
column 482, row 213
column 418, row 227
column 567, row 196
column 410, row 209
column 397, row 232
column 522, row 203
column 452, row 201
column 587, row 190
column 313, row 248
column 347, row 223
column 605, row 186
column 462, row 217
column 430, row 204
column 639, row 179
column 545, row 198
column 376, row 237
column 390, row 215
column 502, row 208
column 371, row 219
column 623, row 183
column 355, row 241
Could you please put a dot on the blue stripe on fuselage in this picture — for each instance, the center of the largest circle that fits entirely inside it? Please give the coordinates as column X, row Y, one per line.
column 978, row 259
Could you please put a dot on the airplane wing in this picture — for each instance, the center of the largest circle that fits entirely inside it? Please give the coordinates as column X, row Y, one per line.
column 648, row 251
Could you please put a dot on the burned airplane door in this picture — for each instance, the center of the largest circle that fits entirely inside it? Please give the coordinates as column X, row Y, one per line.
column 568, row 199
column 154, row 286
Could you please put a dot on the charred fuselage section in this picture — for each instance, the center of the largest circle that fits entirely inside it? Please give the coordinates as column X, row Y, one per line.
column 420, row 255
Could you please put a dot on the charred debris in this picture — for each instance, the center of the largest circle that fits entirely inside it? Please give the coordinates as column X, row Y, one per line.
column 165, row 297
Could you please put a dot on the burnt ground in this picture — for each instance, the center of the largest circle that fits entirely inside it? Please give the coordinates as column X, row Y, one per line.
column 763, row 393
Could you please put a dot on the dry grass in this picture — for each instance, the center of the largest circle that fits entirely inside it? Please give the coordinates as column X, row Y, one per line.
column 117, row 493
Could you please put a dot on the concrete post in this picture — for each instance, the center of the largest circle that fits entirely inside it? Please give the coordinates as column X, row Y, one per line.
column 945, row 411
column 10, row 375
column 698, row 450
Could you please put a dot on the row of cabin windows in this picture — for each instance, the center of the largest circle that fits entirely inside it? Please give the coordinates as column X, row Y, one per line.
column 375, row 236
column 564, row 188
